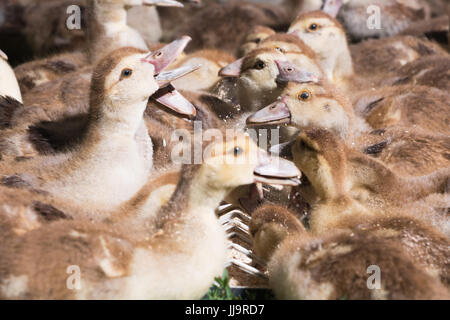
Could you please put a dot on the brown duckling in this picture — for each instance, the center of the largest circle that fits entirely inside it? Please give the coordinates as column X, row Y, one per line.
column 107, row 30
column 415, row 106
column 257, row 75
column 340, row 176
column 72, row 92
column 254, row 36
column 210, row 61
column 220, row 26
column 361, row 65
column 115, row 137
column 305, row 103
column 340, row 265
column 185, row 240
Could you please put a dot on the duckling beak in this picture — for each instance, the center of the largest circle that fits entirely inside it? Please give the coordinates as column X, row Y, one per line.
column 166, row 55
column 275, row 113
column 232, row 70
column 332, row 7
column 165, row 77
column 3, row 55
column 288, row 71
column 162, row 3
column 275, row 170
column 173, row 100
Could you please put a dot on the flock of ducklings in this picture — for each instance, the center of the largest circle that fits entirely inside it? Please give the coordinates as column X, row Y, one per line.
column 88, row 181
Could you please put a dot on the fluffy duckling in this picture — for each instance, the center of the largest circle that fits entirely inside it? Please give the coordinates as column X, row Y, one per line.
column 107, row 30
column 305, row 103
column 115, row 137
column 9, row 86
column 340, row 176
column 207, row 76
column 185, row 240
column 220, row 25
column 432, row 71
column 269, row 226
column 257, row 75
column 336, row 266
column 405, row 105
column 71, row 103
column 281, row 240
column 253, row 38
column 341, row 65
column 397, row 15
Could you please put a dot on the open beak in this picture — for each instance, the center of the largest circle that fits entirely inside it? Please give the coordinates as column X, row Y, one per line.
column 232, row 70
column 276, row 171
column 163, row 3
column 165, row 77
column 275, row 113
column 3, row 55
column 288, row 71
column 166, row 55
column 173, row 100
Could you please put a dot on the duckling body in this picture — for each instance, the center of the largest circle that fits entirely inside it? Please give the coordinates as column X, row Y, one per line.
column 338, row 267
column 416, row 106
column 371, row 59
column 185, row 238
column 115, row 150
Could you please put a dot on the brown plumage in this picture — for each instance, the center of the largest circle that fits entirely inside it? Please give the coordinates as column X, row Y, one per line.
column 220, row 26
column 405, row 105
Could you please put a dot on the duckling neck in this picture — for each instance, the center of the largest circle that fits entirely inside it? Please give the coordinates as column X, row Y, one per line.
column 109, row 30
column 112, row 162
column 338, row 66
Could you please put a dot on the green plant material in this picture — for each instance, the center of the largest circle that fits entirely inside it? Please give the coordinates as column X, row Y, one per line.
column 221, row 290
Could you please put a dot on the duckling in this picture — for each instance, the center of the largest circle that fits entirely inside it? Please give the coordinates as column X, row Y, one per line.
column 151, row 261
column 432, row 71
column 269, row 226
column 279, row 236
column 115, row 137
column 9, row 86
column 107, row 30
column 337, row 266
column 361, row 65
column 72, row 92
column 396, row 16
column 405, row 105
column 344, row 177
column 305, row 103
column 221, row 26
column 257, row 72
column 254, row 36
column 207, row 76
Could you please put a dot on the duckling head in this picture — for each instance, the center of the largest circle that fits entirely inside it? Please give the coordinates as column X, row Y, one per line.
column 321, row 156
column 284, row 43
column 305, row 102
column 321, row 32
column 124, row 80
column 239, row 161
column 269, row 226
column 254, row 37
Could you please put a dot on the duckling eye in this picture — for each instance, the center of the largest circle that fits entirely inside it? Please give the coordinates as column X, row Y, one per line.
column 304, row 95
column 259, row 65
column 279, row 49
column 257, row 40
column 313, row 27
column 126, row 73
column 237, row 151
